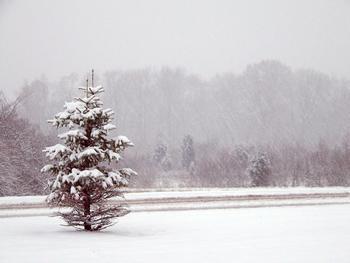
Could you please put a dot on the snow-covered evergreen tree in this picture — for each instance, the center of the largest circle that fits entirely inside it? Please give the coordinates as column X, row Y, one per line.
column 188, row 154
column 84, row 179
column 161, row 156
column 259, row 170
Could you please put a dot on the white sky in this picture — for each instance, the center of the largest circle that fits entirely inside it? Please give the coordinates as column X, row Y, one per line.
column 205, row 37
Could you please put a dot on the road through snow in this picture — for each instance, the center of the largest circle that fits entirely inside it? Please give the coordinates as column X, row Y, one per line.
column 194, row 199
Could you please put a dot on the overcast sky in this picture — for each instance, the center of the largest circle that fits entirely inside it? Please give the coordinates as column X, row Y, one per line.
column 205, row 37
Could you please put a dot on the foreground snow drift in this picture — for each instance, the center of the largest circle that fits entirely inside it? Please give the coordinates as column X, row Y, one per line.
column 288, row 234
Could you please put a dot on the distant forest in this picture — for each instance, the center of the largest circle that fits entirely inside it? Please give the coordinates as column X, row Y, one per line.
column 268, row 126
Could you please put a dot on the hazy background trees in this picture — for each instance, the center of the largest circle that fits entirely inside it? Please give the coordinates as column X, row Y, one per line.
column 207, row 132
column 20, row 157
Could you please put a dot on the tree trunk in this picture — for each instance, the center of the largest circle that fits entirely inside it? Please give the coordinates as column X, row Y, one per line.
column 87, row 225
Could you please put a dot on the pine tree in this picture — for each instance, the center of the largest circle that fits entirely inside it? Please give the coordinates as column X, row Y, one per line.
column 84, row 179
column 259, row 170
column 188, row 154
column 161, row 156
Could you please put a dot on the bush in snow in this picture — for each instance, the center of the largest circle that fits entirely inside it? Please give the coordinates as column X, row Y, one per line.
column 84, row 180
column 259, row 170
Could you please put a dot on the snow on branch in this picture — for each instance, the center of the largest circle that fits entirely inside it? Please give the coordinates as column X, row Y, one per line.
column 56, row 151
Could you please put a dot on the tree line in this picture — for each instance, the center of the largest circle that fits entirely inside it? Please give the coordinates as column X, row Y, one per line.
column 268, row 126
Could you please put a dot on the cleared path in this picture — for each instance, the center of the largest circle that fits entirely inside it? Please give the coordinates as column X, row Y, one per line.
column 194, row 199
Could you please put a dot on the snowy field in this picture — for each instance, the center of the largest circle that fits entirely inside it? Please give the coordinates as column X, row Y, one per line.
column 278, row 234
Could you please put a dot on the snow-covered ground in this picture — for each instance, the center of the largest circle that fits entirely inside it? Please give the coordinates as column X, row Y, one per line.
column 280, row 234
